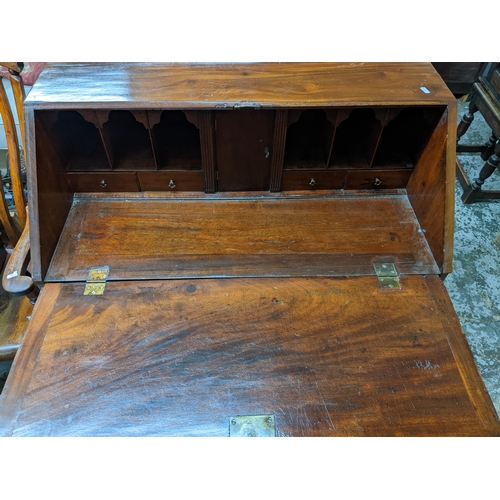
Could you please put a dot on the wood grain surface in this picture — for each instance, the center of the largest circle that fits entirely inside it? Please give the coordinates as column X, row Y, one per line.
column 327, row 357
column 177, row 238
column 14, row 312
column 49, row 195
column 197, row 86
column 428, row 192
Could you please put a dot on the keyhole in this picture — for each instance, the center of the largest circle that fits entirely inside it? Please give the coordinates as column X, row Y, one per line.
column 312, row 182
column 103, row 184
column 377, row 182
column 171, row 184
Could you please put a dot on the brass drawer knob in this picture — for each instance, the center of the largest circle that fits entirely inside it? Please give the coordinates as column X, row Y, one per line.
column 103, row 183
column 171, row 184
column 377, row 182
column 312, row 182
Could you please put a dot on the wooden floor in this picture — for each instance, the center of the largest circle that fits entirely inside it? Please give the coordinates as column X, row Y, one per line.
column 325, row 356
column 186, row 238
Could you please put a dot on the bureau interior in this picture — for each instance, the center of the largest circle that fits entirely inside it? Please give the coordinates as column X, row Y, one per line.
column 365, row 182
column 349, row 148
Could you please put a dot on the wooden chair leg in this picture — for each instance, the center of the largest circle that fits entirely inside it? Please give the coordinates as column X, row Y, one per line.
column 489, row 147
column 471, row 194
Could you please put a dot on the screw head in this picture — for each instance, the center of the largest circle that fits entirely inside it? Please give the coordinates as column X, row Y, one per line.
column 233, row 421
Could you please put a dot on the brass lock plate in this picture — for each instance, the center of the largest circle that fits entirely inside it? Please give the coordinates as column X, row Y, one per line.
column 252, row 426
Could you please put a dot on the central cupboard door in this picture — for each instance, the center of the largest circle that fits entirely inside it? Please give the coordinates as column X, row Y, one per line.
column 244, row 149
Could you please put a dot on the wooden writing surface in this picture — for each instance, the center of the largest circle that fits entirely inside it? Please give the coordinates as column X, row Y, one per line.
column 148, row 238
column 327, row 357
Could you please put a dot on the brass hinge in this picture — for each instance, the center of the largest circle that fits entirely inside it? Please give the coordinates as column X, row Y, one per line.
column 387, row 275
column 252, row 426
column 96, row 281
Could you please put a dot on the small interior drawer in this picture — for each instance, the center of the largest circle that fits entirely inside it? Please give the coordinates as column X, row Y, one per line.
column 298, row 180
column 171, row 180
column 103, row 182
column 377, row 179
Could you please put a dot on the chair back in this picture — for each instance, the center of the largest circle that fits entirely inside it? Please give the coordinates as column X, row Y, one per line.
column 13, row 225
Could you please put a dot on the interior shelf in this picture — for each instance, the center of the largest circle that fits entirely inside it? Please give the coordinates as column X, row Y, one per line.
column 308, row 141
column 79, row 142
column 176, row 142
column 404, row 135
column 128, row 142
column 356, row 139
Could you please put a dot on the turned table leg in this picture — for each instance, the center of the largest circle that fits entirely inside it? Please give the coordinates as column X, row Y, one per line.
column 488, row 168
column 467, row 119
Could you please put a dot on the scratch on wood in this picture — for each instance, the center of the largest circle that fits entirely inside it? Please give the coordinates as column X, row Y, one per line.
column 326, row 409
column 399, row 375
column 425, row 365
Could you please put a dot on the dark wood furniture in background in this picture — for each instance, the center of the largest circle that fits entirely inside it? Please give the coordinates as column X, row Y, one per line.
column 461, row 76
column 485, row 98
column 219, row 240
column 15, row 306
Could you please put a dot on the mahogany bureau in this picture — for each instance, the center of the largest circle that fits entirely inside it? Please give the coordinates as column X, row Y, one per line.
column 243, row 249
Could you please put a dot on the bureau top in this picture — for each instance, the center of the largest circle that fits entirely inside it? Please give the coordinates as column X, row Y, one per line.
column 228, row 85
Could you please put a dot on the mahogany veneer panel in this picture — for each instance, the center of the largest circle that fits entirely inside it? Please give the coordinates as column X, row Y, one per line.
column 327, row 357
column 209, row 85
column 175, row 238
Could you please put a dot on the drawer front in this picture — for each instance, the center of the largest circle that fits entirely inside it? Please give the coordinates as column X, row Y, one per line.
column 377, row 179
column 103, row 182
column 171, row 180
column 293, row 181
